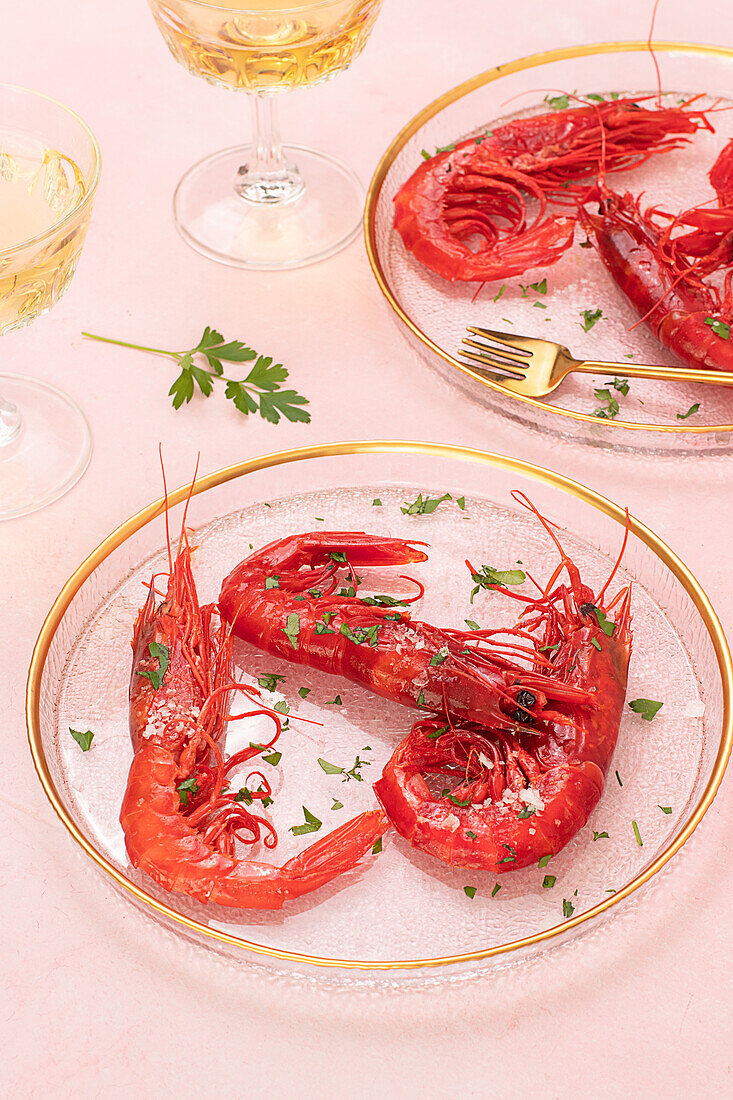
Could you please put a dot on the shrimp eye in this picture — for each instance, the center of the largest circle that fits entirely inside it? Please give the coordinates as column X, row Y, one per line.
column 587, row 608
column 526, row 699
column 523, row 716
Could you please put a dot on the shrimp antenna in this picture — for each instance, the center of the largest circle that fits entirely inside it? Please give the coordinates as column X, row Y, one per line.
column 523, row 499
column 165, row 497
column 654, row 56
column 188, row 501
column 613, row 572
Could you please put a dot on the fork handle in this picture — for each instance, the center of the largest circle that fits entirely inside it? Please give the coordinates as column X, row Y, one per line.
column 642, row 370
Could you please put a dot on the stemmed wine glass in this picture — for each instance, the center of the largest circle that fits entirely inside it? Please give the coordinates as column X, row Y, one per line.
column 49, row 168
column 262, row 205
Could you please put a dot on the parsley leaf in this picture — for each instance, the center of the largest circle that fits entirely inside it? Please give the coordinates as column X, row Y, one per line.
column 330, row 769
column 567, row 908
column 424, row 507
column 272, row 582
column 491, row 578
column 637, row 834
column 590, row 317
column 692, row 409
column 302, row 692
column 291, row 630
column 439, row 657
column 161, row 653
column 471, row 624
column 647, row 708
column 496, row 890
column 548, row 882
column 720, row 328
column 189, row 786
column 469, row 891
column 337, row 805
column 269, row 681
column 600, row 836
column 259, row 390
column 311, row 825
column 609, row 407
column 543, row 861
column 333, row 702
column 83, row 740
column 377, row 846
column 557, row 102
column 354, row 772
column 665, row 809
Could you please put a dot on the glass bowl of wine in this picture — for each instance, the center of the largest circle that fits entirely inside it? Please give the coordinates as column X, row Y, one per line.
column 49, row 169
column 262, row 205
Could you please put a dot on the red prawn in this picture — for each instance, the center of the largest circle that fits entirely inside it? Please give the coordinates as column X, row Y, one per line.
column 179, row 819
column 518, row 796
column 284, row 599
column 478, row 190
column 663, row 273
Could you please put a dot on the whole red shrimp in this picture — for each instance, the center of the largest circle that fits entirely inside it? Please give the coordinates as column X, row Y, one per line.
column 664, row 273
column 463, row 213
column 286, row 599
column 179, row 819
column 497, row 797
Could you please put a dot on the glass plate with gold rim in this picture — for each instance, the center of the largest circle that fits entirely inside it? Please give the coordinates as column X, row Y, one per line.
column 433, row 313
column 402, row 915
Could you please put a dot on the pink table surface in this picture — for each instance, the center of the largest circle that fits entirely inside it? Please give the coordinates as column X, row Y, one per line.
column 100, row 1001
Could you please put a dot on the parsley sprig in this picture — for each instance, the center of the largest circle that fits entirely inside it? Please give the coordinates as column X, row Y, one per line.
column 203, row 365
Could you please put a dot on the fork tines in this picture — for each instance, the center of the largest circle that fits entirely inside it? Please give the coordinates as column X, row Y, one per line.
column 500, row 351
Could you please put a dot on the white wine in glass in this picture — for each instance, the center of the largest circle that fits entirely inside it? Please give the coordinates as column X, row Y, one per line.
column 49, row 167
column 263, row 206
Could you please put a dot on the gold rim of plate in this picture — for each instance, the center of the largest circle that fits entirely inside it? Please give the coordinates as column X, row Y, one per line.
column 532, row 61
column 438, row 450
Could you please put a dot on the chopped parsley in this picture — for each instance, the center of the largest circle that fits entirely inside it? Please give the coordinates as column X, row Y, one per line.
column 272, row 582
column 600, row 836
column 161, row 653
column 609, row 407
column 354, row 772
column 439, row 657
column 511, row 858
column 273, row 758
column 647, row 708
column 501, row 290
column 618, row 777
column 376, row 503
column 333, row 702
column 491, row 578
column 302, row 692
column 189, row 786
column 590, row 318
column 605, row 624
column 461, row 502
column 83, row 740
column 557, row 102
column 567, row 908
column 424, row 506
column 270, row 680
column 281, row 707
column 692, row 409
column 543, row 861
column 470, row 835
column 720, row 328
column 665, row 809
column 469, row 891
column 471, row 624
column 330, row 769
column 457, row 802
column 496, row 890
column 291, row 630
column 338, row 555
column 596, row 644
column 526, row 812
column 637, row 834
column 548, row 882
column 438, row 733
column 310, row 825
column 377, row 846
column 337, row 805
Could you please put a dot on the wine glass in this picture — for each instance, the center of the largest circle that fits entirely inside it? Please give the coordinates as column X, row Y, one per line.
column 49, row 168
column 264, row 206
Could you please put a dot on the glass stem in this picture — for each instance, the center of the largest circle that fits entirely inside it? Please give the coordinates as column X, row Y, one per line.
column 10, row 423
column 267, row 177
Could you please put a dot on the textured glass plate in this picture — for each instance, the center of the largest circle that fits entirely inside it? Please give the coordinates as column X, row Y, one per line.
column 400, row 906
column 434, row 313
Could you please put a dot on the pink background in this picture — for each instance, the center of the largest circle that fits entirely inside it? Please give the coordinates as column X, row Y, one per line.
column 100, row 1001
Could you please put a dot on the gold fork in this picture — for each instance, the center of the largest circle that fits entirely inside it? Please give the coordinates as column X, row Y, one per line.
column 534, row 367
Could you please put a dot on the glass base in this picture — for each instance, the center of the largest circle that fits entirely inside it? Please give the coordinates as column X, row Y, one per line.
column 49, row 453
column 215, row 218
